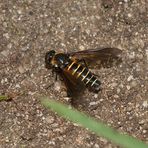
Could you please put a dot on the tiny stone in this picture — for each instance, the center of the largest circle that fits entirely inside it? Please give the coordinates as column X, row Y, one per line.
column 21, row 69
column 145, row 104
column 6, row 139
column 95, row 96
column 114, row 84
column 125, row 1
column 141, row 122
column 144, row 131
column 131, row 117
column 60, row 138
column 132, row 55
column 49, row 119
column 81, row 47
column 51, row 142
column 101, row 100
column 129, row 15
column 66, row 98
column 121, row 85
column 6, row 80
column 64, row 93
column 133, row 83
column 147, row 53
column 128, row 87
column 57, row 86
column 87, row 31
column 119, row 122
column 118, row 90
column 130, row 78
column 19, row 11
column 6, row 35
column 140, row 56
column 103, row 140
column 96, row 146
column 5, row 24
column 17, row 86
column 9, row 45
column 5, row 53
column 32, row 75
column 92, row 103
column 116, row 96
column 25, row 48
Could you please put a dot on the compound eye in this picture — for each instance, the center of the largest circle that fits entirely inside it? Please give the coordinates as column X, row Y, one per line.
column 49, row 55
column 52, row 53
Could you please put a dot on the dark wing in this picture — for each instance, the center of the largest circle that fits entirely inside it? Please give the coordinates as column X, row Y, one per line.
column 74, row 86
column 100, row 57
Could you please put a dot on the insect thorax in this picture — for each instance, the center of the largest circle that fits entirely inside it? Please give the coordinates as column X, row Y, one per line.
column 62, row 60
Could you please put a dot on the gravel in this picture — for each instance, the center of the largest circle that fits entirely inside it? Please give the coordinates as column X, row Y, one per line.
column 28, row 29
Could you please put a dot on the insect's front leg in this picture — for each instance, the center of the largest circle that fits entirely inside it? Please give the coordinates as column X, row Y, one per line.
column 54, row 73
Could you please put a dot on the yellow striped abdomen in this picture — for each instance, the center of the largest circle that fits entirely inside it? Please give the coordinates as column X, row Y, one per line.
column 84, row 75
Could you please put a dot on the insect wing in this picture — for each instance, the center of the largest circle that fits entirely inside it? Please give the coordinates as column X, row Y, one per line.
column 74, row 86
column 100, row 57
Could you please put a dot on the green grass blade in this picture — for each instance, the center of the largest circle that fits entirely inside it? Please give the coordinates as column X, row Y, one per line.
column 97, row 127
column 3, row 98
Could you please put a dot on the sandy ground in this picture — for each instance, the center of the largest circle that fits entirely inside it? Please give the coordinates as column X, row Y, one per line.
column 28, row 29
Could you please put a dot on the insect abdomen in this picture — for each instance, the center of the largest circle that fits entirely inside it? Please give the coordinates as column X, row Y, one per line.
column 82, row 73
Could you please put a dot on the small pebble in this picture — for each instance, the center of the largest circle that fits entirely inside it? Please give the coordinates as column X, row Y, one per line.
column 114, row 84
column 141, row 122
column 116, row 96
column 66, row 98
column 118, row 90
column 9, row 45
column 130, row 78
column 6, row 35
column 96, row 146
column 57, row 86
column 21, row 69
column 132, row 55
column 129, row 15
column 5, row 53
column 81, row 47
column 128, row 87
column 144, row 131
column 145, row 104
column 49, row 119
column 51, row 143
column 133, row 84
column 147, row 53
column 125, row 1
column 17, row 86
column 95, row 96
column 92, row 103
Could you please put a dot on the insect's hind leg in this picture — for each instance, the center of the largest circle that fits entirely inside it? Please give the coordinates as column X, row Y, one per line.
column 54, row 74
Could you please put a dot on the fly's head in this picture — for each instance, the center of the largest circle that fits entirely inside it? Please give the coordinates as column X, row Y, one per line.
column 49, row 57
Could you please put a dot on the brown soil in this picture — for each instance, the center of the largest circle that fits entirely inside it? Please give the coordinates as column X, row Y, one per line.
column 28, row 29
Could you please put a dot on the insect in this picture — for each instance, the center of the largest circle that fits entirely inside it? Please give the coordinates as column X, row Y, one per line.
column 73, row 67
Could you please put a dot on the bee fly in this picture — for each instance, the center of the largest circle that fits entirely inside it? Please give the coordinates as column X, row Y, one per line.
column 73, row 69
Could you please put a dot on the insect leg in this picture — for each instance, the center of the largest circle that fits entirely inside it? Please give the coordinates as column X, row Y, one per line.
column 54, row 74
column 47, row 87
